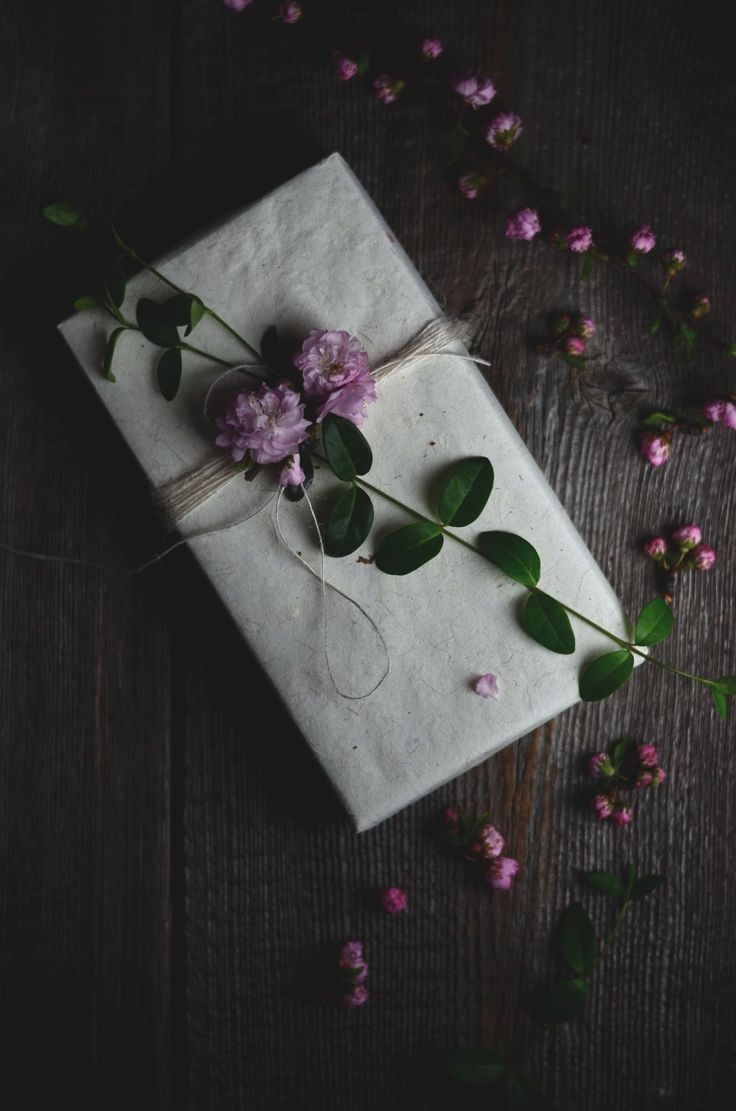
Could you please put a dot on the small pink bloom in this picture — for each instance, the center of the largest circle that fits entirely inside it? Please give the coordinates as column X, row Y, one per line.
column 622, row 815
column 656, row 548
column 601, row 806
column 580, row 239
column 647, row 755
column 674, row 261
column 345, row 68
column 702, row 558
column 574, row 345
column 471, row 184
column 268, row 423
column 292, row 473
column 487, row 686
column 700, row 306
column 451, row 817
column 523, row 224
column 687, row 537
column 238, row 5
column 658, row 776
column 387, row 89
column 585, row 327
column 729, row 415
column 643, row 240
column 655, row 447
column 500, row 872
column 336, row 371
column 356, row 997
column 644, row 779
column 290, row 12
column 491, row 842
column 392, row 899
column 351, row 954
column 713, row 410
column 503, row 130
column 431, row 49
column 600, row 766
column 475, row 89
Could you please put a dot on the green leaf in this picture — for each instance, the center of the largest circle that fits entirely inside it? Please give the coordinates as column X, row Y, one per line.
column 605, row 675
column 168, row 373
column 607, row 883
column 83, row 303
column 657, row 323
column 115, row 281
column 563, row 1002
column 689, row 337
column 183, row 310
column 347, row 450
column 620, row 749
column 463, row 497
column 154, row 325
column 720, row 702
column 654, row 623
column 514, row 555
column 658, row 417
column 112, row 343
column 645, row 886
column 726, row 684
column 524, row 1094
column 196, row 313
column 408, row 548
column 546, row 621
column 579, row 945
column 475, row 1066
column 66, row 215
column 350, row 522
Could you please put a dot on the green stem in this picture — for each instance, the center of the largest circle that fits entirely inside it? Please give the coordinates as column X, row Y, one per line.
column 204, row 354
column 611, row 936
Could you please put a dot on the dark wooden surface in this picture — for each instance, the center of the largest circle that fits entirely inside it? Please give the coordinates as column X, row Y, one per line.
column 168, row 866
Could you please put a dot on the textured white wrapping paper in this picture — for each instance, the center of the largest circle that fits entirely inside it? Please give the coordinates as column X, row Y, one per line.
column 315, row 253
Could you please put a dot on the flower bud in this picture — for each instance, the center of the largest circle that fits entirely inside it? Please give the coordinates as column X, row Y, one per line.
column 491, row 842
column 643, row 779
column 646, row 755
column 471, row 184
column 655, row 447
column 700, row 306
column 702, row 558
column 601, row 806
column 501, row 871
column 714, row 410
column 345, row 68
column 643, row 240
column 574, row 345
column 579, row 240
column 656, row 548
column 356, row 997
column 600, row 766
column 290, row 12
column 674, row 262
column 523, row 224
column 392, row 899
column 622, row 815
column 658, row 776
column 729, row 415
column 585, row 327
column 504, row 130
column 431, row 49
column 387, row 89
column 687, row 537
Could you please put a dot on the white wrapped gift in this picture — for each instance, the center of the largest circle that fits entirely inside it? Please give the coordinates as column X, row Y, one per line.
column 316, row 253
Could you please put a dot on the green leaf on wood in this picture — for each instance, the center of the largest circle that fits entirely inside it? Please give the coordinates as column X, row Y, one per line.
column 347, row 450
column 349, row 524
column 645, row 886
column 563, row 1002
column 155, row 325
column 168, row 373
column 475, row 1066
column 607, row 883
column 720, row 702
column 654, row 623
column 515, row 556
column 66, row 215
column 726, row 684
column 620, row 749
column 408, row 548
column 115, row 281
column 112, row 343
column 547, row 621
column 659, row 417
column 579, row 945
column 83, row 303
column 657, row 323
column 464, row 495
column 605, row 675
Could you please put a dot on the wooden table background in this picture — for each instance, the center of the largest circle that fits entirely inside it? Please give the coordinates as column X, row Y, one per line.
column 168, row 867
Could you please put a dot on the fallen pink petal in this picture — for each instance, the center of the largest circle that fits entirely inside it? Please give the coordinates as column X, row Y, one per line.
column 487, row 686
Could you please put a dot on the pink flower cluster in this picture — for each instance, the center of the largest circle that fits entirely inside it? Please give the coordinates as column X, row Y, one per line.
column 336, row 375
column 626, row 767
column 482, row 845
column 722, row 412
column 571, row 336
column 685, row 551
column 352, row 974
column 656, row 445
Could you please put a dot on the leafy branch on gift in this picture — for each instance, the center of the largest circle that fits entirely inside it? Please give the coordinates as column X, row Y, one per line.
column 582, row 952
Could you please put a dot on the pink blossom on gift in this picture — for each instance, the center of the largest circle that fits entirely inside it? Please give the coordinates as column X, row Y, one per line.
column 350, row 401
column 238, row 5
column 356, row 997
column 601, row 806
column 574, row 345
column 292, row 473
column 387, row 88
column 687, row 537
column 336, row 371
column 643, row 240
column 475, row 89
column 392, row 899
column 491, row 842
column 674, row 261
column 345, row 68
column 622, row 815
column 600, row 766
column 471, row 184
column 647, row 755
column 655, row 447
column 500, row 872
column 290, row 12
column 585, row 327
column 580, row 240
column 487, row 686
column 503, row 130
column 656, row 548
column 702, row 558
column 431, row 49
column 523, row 224
column 267, row 423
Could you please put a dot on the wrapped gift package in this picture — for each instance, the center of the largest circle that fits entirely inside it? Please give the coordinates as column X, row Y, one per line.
column 316, row 253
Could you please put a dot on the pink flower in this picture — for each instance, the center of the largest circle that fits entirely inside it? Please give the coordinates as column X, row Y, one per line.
column 292, row 473
column 431, row 49
column 500, row 872
column 350, row 401
column 268, row 423
column 503, row 130
column 351, row 958
column 656, row 548
column 345, row 68
column 601, row 806
column 674, row 261
column 622, row 815
column 574, row 345
column 703, row 557
column 387, row 88
column 290, row 12
column 700, row 306
column 523, row 224
column 580, row 239
column 475, row 89
column 643, row 240
column 658, row 776
column 471, row 184
column 491, row 842
column 336, row 371
column 713, row 410
column 655, row 447
column 356, row 997
column 585, row 327
column 487, row 686
column 600, row 766
column 729, row 415
column 392, row 899
column 644, row 779
column 647, row 755
column 238, row 5
column 687, row 537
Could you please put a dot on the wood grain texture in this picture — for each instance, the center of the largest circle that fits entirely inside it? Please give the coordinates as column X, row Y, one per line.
column 171, row 867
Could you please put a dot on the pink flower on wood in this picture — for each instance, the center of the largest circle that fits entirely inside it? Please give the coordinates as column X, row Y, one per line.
column 238, row 5
column 471, row 184
column 600, row 766
column 523, row 224
column 487, row 686
column 290, row 12
column 267, row 423
column 475, row 89
column 392, row 899
column 580, row 239
column 728, row 417
column 387, row 88
column 647, row 755
column 655, row 447
column 503, row 130
column 601, row 806
column 585, row 327
column 491, row 842
column 703, row 557
column 643, row 240
column 622, row 815
column 356, row 997
column 431, row 49
column 688, row 536
column 345, row 68
column 500, row 872
column 575, row 345
column 656, row 548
